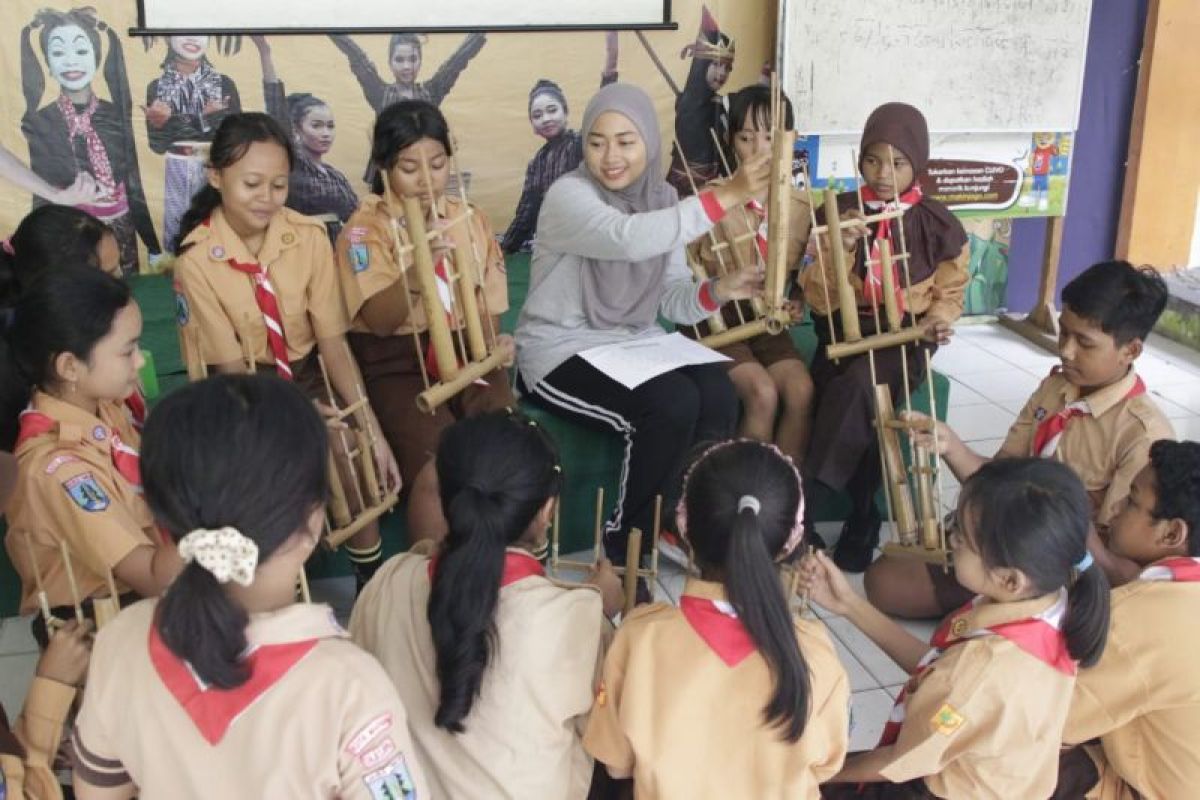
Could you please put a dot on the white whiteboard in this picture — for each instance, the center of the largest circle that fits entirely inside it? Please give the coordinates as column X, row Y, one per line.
column 969, row 65
column 248, row 15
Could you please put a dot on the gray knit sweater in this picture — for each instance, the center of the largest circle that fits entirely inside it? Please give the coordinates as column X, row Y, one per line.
column 575, row 223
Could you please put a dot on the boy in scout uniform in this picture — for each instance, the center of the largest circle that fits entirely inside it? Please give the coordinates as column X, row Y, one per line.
column 256, row 281
column 1142, row 700
column 1092, row 412
column 412, row 139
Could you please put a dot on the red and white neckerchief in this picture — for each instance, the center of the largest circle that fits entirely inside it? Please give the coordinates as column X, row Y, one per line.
column 136, row 405
column 268, row 303
column 1050, row 430
column 1182, row 569
column 1040, row 636
column 517, row 567
column 79, row 123
column 873, row 278
column 124, row 458
column 760, row 233
column 213, row 710
column 716, row 622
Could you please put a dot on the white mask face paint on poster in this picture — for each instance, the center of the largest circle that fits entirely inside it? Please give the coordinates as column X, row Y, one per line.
column 71, row 57
column 189, row 48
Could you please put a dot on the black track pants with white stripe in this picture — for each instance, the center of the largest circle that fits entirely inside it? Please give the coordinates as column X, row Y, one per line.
column 660, row 421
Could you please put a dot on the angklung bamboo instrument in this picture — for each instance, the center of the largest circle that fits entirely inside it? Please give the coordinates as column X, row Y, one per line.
column 913, row 492
column 457, row 309
column 632, row 555
column 372, row 498
column 770, row 311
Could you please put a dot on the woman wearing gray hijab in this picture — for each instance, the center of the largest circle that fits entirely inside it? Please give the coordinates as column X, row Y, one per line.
column 608, row 259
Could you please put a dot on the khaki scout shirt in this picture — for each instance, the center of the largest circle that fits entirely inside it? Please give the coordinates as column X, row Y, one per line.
column 1106, row 449
column 738, row 222
column 986, row 719
column 68, row 490
column 522, row 737
column 683, row 724
column 39, row 730
column 216, row 302
column 367, row 262
column 939, row 296
column 329, row 726
column 1143, row 697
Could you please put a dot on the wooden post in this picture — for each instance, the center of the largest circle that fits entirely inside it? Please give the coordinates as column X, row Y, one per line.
column 1041, row 325
column 633, row 557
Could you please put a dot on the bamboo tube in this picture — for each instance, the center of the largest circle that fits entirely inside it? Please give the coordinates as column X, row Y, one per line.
column 76, row 601
column 43, row 600
column 891, row 310
column 598, row 547
column 654, row 534
column 339, row 509
column 439, row 393
column 335, row 537
column 876, row 342
column 894, row 470
column 435, row 314
column 633, row 556
column 847, row 304
column 302, row 585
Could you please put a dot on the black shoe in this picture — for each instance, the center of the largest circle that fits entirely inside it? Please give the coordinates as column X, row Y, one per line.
column 855, row 549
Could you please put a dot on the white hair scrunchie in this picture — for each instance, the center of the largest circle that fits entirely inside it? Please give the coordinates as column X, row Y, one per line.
column 224, row 552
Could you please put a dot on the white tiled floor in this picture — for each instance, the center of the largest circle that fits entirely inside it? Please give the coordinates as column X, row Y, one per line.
column 992, row 370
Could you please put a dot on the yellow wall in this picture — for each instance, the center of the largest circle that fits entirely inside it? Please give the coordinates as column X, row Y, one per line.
column 486, row 109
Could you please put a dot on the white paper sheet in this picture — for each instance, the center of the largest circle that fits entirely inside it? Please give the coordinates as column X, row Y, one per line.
column 634, row 362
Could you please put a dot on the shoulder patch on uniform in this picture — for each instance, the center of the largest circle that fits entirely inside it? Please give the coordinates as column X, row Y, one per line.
column 378, row 756
column 369, row 733
column 58, row 461
column 86, row 493
column 360, row 257
column 183, row 312
column 946, row 721
column 357, row 234
column 1039, row 414
column 1145, row 410
column 393, row 782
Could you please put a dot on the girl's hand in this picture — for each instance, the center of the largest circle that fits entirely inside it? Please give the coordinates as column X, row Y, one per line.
column 937, row 331
column 606, row 579
column 852, row 234
column 506, row 344
column 66, row 657
column 751, row 179
column 922, row 436
column 84, row 191
column 157, row 114
column 385, row 462
column 330, row 415
column 825, row 584
column 741, row 285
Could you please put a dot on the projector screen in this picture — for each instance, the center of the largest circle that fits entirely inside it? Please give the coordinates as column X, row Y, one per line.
column 162, row 16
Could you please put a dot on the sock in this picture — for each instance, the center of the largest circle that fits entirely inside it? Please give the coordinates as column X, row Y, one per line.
column 365, row 560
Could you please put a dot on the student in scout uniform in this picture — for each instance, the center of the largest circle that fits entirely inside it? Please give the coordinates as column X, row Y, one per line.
column 730, row 675
column 51, row 236
column 767, row 371
column 28, row 750
column 412, row 143
column 983, row 713
column 253, row 277
column 844, row 453
column 608, row 261
column 495, row 662
column 70, row 360
column 1093, row 414
column 1142, row 699
column 237, row 690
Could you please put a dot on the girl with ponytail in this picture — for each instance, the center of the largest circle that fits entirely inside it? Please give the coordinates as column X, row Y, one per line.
column 78, row 133
column 69, row 361
column 495, row 662
column 230, row 687
column 983, row 714
column 731, row 675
